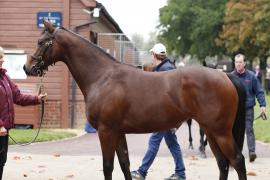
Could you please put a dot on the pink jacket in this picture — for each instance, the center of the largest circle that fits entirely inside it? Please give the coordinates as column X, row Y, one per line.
column 10, row 94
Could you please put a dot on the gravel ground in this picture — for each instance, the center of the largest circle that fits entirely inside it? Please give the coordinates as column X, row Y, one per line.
column 80, row 158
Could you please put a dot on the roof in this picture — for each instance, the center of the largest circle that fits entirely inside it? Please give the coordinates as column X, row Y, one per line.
column 89, row 3
column 108, row 16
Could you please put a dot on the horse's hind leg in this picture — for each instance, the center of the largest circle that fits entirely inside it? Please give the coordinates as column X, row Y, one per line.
column 189, row 122
column 203, row 143
column 228, row 147
column 222, row 161
column 108, row 141
column 122, row 153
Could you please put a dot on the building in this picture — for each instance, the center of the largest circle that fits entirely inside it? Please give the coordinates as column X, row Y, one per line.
column 20, row 27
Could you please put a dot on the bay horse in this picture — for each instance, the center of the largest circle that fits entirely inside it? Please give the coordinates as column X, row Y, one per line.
column 203, row 142
column 122, row 99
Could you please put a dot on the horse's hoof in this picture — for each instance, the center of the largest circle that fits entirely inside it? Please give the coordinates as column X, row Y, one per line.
column 203, row 155
column 190, row 147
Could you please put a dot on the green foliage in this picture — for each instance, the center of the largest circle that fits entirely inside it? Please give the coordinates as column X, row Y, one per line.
column 261, row 127
column 245, row 28
column 26, row 135
column 191, row 26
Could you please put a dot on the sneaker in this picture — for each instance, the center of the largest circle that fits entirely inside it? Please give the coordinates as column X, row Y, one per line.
column 136, row 175
column 252, row 156
column 174, row 177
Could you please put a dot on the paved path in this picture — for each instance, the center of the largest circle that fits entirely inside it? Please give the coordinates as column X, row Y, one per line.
column 80, row 158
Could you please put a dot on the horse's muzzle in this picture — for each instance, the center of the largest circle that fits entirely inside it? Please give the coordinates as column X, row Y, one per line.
column 34, row 71
column 26, row 72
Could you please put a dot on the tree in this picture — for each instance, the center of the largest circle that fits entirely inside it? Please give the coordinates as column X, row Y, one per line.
column 191, row 26
column 245, row 28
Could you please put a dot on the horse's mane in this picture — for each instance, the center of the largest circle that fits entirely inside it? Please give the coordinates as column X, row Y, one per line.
column 91, row 44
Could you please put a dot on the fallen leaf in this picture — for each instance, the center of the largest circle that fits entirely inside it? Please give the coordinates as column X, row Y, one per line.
column 194, row 158
column 56, row 155
column 251, row 173
column 16, row 158
column 24, row 175
column 70, row 176
column 27, row 158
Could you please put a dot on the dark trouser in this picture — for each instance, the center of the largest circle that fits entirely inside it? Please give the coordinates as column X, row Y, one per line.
column 3, row 153
column 249, row 130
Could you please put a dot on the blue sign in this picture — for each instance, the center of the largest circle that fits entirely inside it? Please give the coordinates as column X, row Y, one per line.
column 53, row 17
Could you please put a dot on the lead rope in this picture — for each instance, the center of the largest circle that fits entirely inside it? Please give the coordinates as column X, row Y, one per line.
column 41, row 118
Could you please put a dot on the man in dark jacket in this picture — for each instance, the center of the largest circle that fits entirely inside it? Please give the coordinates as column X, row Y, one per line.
column 253, row 88
column 162, row 63
column 10, row 94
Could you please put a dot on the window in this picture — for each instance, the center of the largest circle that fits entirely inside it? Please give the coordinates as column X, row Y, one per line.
column 14, row 61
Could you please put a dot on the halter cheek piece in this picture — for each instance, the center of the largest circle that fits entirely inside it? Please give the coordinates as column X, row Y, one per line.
column 48, row 43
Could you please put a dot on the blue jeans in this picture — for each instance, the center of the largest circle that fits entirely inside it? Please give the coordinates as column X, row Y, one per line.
column 154, row 143
column 249, row 130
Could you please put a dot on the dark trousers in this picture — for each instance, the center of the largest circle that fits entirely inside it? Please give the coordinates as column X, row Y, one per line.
column 3, row 153
column 250, row 130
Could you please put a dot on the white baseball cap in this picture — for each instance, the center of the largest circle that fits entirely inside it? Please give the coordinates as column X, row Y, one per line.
column 158, row 49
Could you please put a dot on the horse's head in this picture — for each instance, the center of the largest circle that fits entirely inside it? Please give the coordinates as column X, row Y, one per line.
column 46, row 54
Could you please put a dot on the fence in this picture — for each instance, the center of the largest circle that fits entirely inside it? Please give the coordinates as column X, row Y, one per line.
column 122, row 49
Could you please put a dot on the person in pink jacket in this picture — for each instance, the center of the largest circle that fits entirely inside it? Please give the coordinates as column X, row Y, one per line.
column 10, row 94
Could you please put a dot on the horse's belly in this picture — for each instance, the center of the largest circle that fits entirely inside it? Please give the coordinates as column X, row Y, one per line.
column 148, row 125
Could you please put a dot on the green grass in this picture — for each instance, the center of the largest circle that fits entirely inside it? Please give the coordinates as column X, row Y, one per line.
column 261, row 127
column 26, row 135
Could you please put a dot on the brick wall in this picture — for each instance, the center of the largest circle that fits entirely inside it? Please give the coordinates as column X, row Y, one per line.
column 52, row 114
column 79, row 116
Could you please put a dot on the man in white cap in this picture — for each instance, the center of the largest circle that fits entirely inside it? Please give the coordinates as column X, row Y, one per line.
column 9, row 94
column 162, row 63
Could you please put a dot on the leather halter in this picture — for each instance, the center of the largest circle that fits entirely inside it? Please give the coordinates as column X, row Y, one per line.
column 45, row 45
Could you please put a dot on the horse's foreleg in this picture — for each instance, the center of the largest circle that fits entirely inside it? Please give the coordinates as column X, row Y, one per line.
column 108, row 141
column 222, row 161
column 189, row 122
column 122, row 153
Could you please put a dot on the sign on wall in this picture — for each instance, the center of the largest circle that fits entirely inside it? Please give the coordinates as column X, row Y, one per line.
column 53, row 17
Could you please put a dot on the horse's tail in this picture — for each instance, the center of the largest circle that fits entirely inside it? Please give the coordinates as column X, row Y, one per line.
column 239, row 123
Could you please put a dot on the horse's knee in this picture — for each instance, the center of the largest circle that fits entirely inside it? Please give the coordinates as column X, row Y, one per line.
column 223, row 164
column 107, row 168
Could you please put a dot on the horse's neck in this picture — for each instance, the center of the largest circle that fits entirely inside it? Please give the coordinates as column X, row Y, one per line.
column 86, row 63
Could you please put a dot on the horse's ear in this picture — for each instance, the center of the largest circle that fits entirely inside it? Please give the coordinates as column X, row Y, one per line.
column 48, row 26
